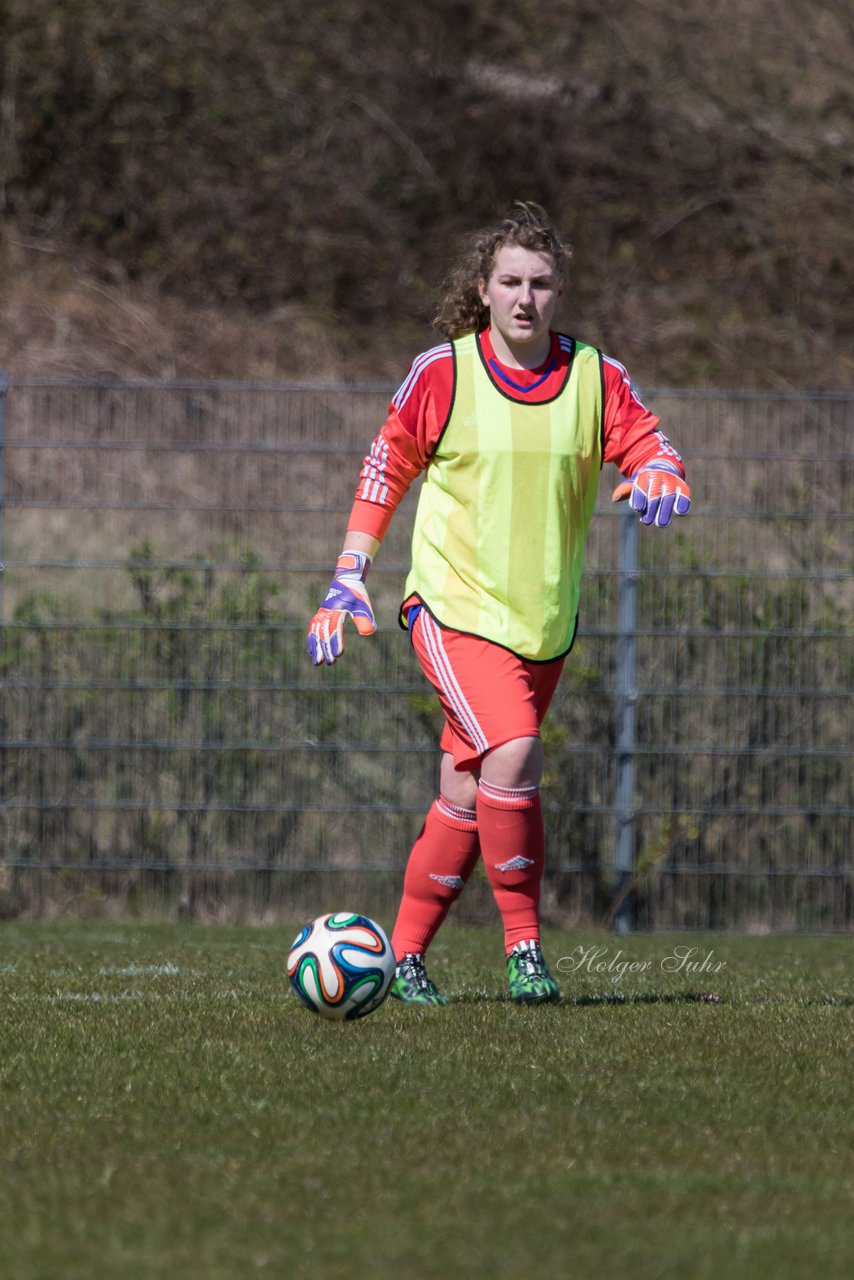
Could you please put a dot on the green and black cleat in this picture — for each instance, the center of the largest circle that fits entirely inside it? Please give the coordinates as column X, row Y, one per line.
column 411, row 983
column 529, row 977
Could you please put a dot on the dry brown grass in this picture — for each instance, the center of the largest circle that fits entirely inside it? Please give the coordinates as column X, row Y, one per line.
column 58, row 319
column 233, row 195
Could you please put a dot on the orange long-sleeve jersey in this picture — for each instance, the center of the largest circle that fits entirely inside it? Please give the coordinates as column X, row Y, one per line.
column 421, row 407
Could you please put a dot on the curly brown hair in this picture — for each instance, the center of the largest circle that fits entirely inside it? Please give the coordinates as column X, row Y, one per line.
column 526, row 224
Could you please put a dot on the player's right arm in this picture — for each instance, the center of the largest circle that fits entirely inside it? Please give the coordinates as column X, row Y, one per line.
column 416, row 418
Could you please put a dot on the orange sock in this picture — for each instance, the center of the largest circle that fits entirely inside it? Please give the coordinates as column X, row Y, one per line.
column 510, row 826
column 442, row 859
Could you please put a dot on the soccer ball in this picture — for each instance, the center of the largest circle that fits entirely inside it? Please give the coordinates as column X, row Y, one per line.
column 341, row 966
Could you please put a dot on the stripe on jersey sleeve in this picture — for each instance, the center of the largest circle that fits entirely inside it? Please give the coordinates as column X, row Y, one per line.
column 624, row 375
column 373, row 473
column 419, row 364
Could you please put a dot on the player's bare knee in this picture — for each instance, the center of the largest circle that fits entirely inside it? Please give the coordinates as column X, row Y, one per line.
column 517, row 763
column 458, row 787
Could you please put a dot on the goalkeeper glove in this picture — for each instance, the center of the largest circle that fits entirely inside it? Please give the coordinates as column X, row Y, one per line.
column 347, row 597
column 656, row 492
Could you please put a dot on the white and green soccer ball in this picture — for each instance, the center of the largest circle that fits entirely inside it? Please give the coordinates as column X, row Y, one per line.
column 341, row 966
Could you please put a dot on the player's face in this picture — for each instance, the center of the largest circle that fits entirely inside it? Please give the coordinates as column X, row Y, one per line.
column 522, row 293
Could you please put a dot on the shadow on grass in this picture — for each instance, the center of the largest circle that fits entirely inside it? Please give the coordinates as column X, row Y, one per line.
column 635, row 998
column 611, row 997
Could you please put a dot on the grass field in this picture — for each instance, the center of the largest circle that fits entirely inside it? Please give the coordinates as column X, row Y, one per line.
column 167, row 1109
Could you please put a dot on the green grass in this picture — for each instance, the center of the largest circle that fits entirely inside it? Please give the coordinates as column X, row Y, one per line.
column 168, row 1109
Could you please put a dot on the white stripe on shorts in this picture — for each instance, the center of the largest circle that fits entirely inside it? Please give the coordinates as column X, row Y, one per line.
column 448, row 682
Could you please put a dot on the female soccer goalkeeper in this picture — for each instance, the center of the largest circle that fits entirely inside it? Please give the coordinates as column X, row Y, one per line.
column 511, row 423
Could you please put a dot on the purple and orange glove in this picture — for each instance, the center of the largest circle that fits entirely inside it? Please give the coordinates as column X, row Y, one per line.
column 347, row 597
column 657, row 492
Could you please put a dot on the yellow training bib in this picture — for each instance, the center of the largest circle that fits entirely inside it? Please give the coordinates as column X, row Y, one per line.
column 498, row 543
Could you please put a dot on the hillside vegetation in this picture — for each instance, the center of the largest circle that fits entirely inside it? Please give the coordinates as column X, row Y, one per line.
column 255, row 188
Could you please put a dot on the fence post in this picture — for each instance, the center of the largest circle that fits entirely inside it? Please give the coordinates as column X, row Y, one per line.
column 4, row 387
column 626, row 699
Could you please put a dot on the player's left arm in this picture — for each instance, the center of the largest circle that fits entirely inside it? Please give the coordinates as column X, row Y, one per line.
column 655, row 487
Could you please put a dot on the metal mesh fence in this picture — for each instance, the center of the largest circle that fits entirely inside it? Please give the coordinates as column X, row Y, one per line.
column 166, row 741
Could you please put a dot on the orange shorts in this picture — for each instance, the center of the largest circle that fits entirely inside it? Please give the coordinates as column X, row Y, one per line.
column 488, row 694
